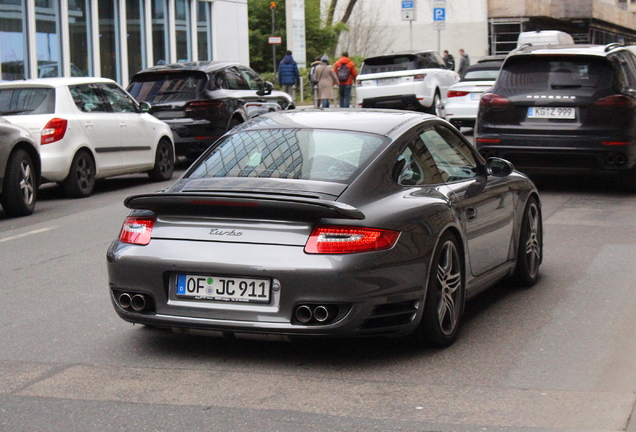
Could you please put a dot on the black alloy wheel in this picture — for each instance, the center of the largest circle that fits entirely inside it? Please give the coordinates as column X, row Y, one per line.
column 164, row 162
column 530, row 250
column 444, row 303
column 19, row 192
column 81, row 177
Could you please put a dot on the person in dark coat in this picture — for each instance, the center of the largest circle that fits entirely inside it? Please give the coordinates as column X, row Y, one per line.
column 449, row 60
column 288, row 75
column 464, row 62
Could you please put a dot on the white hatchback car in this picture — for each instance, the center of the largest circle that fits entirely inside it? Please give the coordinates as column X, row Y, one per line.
column 415, row 80
column 462, row 103
column 88, row 128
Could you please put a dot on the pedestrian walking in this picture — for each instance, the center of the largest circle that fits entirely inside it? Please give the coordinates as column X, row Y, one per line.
column 288, row 75
column 314, row 80
column 464, row 62
column 346, row 73
column 449, row 60
column 326, row 80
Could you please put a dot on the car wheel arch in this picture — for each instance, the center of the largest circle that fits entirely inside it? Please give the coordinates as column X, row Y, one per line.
column 33, row 154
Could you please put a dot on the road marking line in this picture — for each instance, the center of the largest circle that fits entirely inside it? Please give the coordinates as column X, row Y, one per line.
column 27, row 234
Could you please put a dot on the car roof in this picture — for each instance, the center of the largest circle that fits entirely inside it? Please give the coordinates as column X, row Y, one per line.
column 54, row 82
column 577, row 49
column 376, row 121
column 487, row 65
column 204, row 66
column 399, row 53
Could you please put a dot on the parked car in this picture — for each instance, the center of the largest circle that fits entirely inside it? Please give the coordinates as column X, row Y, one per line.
column 19, row 170
column 88, row 128
column 563, row 108
column 463, row 97
column 414, row 80
column 203, row 100
column 327, row 223
column 544, row 37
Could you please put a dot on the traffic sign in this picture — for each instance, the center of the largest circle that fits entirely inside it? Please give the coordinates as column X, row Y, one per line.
column 275, row 40
column 409, row 15
column 408, row 4
column 439, row 14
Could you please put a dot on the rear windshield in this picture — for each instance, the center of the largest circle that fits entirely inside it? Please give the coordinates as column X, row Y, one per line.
column 322, row 155
column 14, row 101
column 484, row 74
column 543, row 73
column 400, row 62
column 166, row 87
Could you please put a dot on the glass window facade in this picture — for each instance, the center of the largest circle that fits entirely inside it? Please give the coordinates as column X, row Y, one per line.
column 79, row 12
column 160, row 41
column 204, row 31
column 13, row 49
column 115, row 38
column 182, row 26
column 134, row 36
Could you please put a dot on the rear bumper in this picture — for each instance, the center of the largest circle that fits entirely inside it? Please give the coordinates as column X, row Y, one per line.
column 406, row 102
column 559, row 154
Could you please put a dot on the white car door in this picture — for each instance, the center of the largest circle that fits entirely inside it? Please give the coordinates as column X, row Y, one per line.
column 137, row 136
column 100, row 125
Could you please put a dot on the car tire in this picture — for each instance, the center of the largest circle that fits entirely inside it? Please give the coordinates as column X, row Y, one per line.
column 19, row 191
column 530, row 248
column 164, row 162
column 444, row 302
column 80, row 181
column 436, row 107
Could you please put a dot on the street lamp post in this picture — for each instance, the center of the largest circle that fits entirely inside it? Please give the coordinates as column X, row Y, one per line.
column 272, row 6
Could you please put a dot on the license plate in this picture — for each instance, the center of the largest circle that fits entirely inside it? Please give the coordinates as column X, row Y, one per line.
column 223, row 288
column 387, row 81
column 551, row 113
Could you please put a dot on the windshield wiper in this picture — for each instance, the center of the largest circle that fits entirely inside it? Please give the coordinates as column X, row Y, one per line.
column 9, row 112
column 565, row 86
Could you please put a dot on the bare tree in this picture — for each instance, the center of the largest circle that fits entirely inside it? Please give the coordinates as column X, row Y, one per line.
column 331, row 11
column 367, row 34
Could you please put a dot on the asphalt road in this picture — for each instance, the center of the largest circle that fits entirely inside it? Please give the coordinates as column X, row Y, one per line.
column 558, row 357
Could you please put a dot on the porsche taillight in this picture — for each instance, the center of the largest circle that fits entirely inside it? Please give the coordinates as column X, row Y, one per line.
column 492, row 100
column 137, row 230
column 53, row 131
column 345, row 240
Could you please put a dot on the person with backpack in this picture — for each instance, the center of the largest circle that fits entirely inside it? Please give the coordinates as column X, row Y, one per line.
column 314, row 80
column 288, row 75
column 346, row 72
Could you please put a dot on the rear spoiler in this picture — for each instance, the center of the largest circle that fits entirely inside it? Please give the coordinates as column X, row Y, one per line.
column 242, row 205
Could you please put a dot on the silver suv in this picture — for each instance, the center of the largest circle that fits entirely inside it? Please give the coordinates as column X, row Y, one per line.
column 413, row 80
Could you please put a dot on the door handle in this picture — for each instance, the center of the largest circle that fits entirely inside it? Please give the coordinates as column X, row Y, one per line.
column 471, row 214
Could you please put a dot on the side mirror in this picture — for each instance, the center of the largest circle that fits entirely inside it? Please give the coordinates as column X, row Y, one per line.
column 266, row 89
column 499, row 167
column 145, row 107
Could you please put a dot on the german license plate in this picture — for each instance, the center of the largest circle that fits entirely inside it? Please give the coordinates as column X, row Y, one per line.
column 551, row 113
column 223, row 288
column 387, row 81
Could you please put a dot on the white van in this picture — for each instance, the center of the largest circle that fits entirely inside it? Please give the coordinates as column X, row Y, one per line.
column 544, row 37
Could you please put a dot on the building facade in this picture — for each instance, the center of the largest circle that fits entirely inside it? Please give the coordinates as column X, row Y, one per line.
column 117, row 38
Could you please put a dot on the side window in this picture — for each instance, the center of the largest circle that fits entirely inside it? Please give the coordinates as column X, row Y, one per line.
column 118, row 99
column 235, row 79
column 218, row 81
column 628, row 65
column 415, row 166
column 453, row 157
column 253, row 80
column 87, row 98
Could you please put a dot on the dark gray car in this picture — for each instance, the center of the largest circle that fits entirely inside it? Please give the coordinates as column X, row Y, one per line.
column 327, row 223
column 19, row 170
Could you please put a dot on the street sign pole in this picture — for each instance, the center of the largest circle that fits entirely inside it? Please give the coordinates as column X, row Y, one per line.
column 409, row 8
column 439, row 20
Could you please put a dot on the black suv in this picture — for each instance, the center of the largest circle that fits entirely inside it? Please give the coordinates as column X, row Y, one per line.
column 203, row 100
column 563, row 108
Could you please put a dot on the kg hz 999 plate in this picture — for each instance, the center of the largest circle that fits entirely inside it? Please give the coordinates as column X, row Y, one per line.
column 223, row 288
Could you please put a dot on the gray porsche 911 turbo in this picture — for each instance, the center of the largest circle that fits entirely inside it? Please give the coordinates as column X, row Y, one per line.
column 327, row 223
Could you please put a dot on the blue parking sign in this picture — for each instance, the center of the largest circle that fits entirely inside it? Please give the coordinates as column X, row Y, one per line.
column 439, row 14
